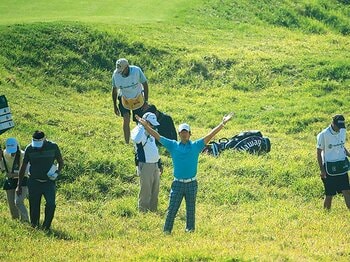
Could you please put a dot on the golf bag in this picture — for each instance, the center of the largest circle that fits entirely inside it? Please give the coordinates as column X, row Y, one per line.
column 6, row 121
column 252, row 142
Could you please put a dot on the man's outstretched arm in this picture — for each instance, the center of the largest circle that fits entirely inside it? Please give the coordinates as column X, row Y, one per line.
column 217, row 129
column 149, row 129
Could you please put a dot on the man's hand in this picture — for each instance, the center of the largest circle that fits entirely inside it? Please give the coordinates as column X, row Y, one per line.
column 323, row 174
column 148, row 128
column 18, row 190
column 11, row 175
column 140, row 120
column 145, row 106
column 227, row 117
column 116, row 111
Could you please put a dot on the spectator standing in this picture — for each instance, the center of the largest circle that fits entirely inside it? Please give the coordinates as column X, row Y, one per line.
column 130, row 88
column 41, row 154
column 10, row 161
column 333, row 162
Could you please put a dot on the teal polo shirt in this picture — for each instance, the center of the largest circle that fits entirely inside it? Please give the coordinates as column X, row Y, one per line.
column 184, row 156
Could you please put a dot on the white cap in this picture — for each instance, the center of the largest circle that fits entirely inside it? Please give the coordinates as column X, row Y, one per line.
column 184, row 126
column 152, row 118
column 121, row 64
column 11, row 145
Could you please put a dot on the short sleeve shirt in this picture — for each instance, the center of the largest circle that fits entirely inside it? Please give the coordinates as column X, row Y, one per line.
column 145, row 145
column 130, row 86
column 332, row 144
column 41, row 159
column 184, row 156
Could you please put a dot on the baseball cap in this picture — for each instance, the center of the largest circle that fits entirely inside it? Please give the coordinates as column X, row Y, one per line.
column 150, row 117
column 184, row 126
column 11, row 145
column 339, row 121
column 38, row 138
column 121, row 64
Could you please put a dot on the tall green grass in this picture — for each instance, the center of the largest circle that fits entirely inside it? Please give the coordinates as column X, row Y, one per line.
column 206, row 59
column 106, row 11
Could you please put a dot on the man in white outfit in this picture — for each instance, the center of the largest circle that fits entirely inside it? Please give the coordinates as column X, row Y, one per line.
column 332, row 160
column 149, row 167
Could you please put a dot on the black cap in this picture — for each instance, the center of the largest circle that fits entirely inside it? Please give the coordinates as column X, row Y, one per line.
column 339, row 121
column 38, row 134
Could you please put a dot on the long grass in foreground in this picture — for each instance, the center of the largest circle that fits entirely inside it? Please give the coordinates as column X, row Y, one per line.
column 267, row 230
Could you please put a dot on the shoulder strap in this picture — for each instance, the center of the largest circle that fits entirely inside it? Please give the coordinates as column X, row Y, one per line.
column 3, row 159
column 16, row 162
column 146, row 141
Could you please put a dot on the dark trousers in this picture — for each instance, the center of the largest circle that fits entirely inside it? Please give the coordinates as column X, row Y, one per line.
column 180, row 190
column 36, row 191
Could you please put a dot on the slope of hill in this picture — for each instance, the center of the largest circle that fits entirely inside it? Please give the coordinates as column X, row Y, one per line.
column 282, row 67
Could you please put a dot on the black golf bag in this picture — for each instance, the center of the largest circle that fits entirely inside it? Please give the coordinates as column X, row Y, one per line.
column 250, row 141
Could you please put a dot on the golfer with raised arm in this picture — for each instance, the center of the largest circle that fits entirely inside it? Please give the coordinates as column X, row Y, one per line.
column 184, row 154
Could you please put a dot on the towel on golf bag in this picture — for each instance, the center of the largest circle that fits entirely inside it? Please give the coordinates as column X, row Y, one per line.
column 250, row 141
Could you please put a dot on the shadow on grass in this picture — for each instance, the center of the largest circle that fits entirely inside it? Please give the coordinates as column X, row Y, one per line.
column 58, row 234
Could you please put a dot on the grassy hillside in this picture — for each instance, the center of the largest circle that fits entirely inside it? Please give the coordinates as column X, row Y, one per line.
column 106, row 11
column 282, row 67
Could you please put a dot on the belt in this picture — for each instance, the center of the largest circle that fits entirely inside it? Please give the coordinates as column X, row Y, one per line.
column 185, row 180
column 41, row 180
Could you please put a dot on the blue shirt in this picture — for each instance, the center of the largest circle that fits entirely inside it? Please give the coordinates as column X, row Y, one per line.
column 184, row 156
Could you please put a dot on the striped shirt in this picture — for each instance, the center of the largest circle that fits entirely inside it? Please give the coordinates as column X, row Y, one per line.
column 41, row 159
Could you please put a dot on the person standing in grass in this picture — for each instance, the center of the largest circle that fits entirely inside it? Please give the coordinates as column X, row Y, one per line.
column 184, row 154
column 41, row 154
column 333, row 162
column 10, row 161
column 130, row 88
column 149, row 167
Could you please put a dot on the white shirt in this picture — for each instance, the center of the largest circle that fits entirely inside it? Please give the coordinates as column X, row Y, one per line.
column 332, row 144
column 145, row 145
column 131, row 85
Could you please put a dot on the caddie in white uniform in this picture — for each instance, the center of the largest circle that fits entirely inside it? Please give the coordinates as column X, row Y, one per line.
column 130, row 88
column 149, row 166
column 333, row 162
